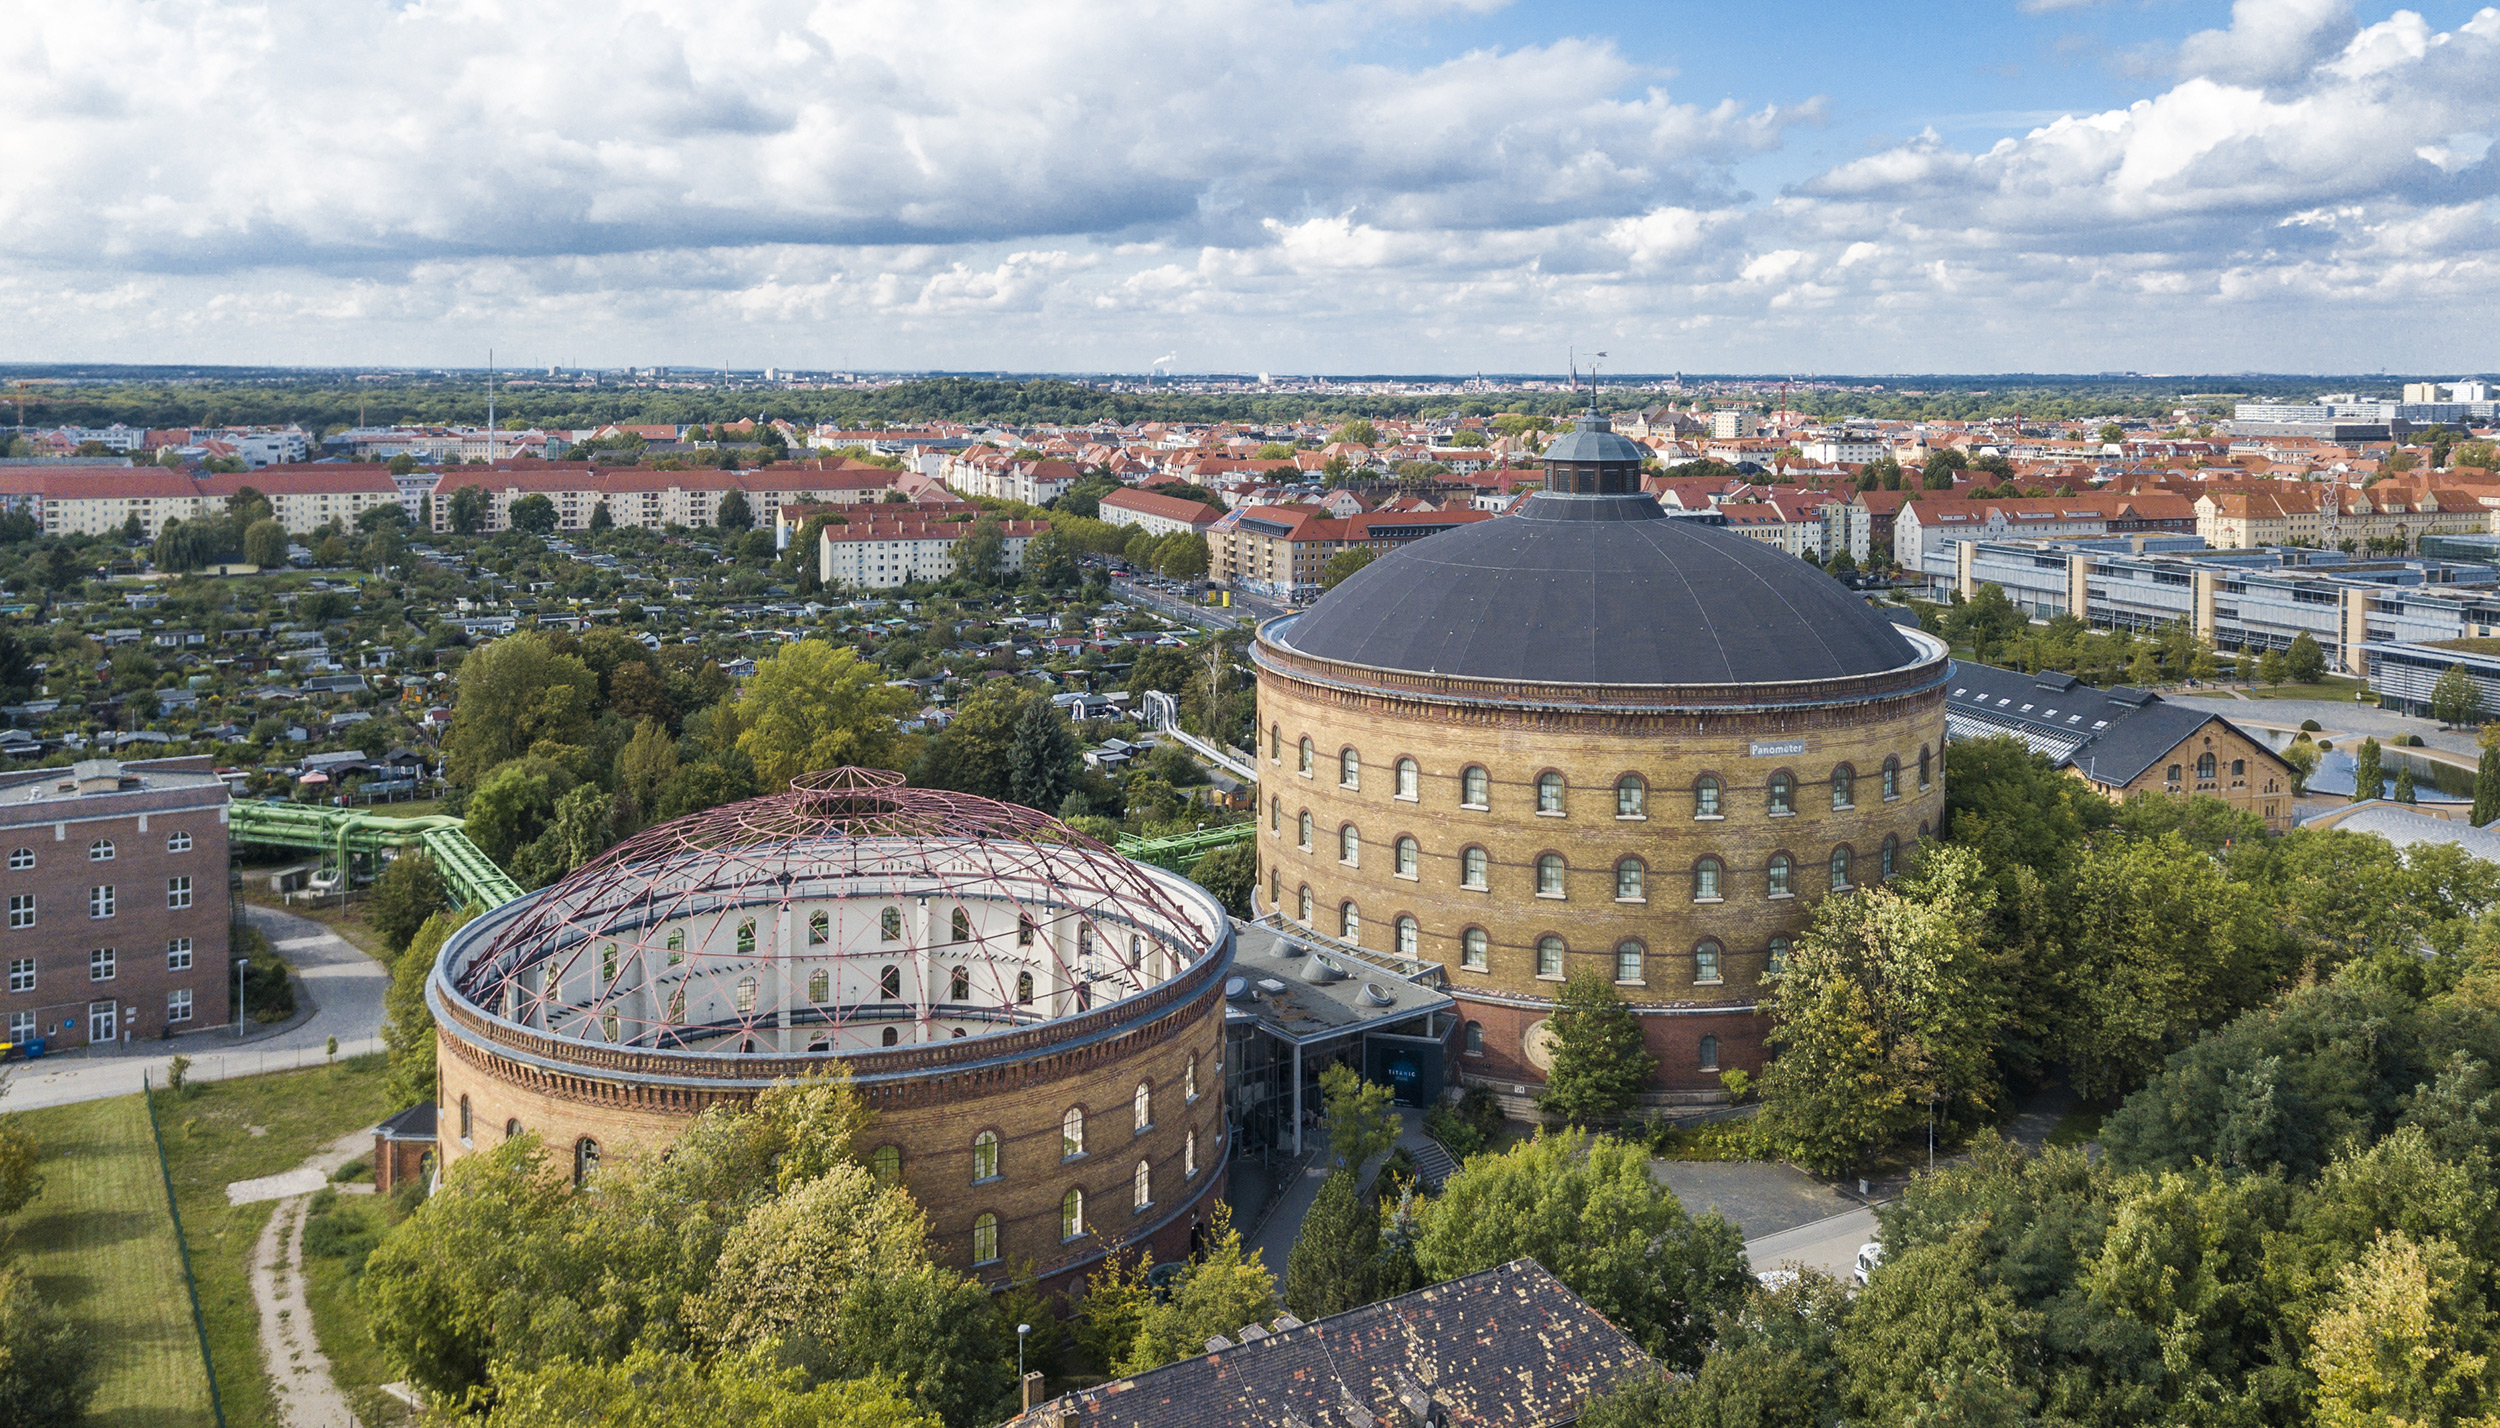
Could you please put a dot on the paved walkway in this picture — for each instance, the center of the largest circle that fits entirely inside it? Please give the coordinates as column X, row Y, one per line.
column 343, row 986
column 2349, row 717
column 1274, row 1236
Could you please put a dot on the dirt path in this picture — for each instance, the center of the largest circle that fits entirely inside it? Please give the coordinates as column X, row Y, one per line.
column 299, row 1373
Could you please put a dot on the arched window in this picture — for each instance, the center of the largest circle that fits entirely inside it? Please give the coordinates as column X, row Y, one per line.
column 1409, row 935
column 1350, row 924
column 677, row 1005
column 511, row 1128
column 985, row 1238
column 1549, row 956
column 746, row 935
column 889, row 984
column 1781, row 875
column 20, row 859
column 1628, row 961
column 1306, row 830
column 1189, row 1154
column 676, row 945
column 1349, row 846
column 1549, row 875
column 1141, row 1187
column 1024, row 989
column 1631, row 797
column 1189, row 1081
column 1406, row 857
column 1549, row 792
column 1275, row 815
column 1779, row 954
column 1844, row 786
column 1136, row 949
column 819, row 929
column 607, row 962
column 1706, row 880
column 1308, row 753
column 1141, row 1107
column 1892, row 850
column 959, row 925
column 985, row 1156
column 892, row 1036
column 1472, row 864
column 1473, row 949
column 1631, row 881
column 2239, row 768
column 1783, row 799
column 1922, row 768
column 468, row 1127
column 959, row 985
column 1024, row 931
column 1840, row 868
column 1072, row 1133
column 2205, row 766
column 746, row 994
column 1475, row 787
column 1072, row 1214
column 1306, row 905
column 886, row 1164
column 1709, row 1053
column 1892, row 779
column 1349, row 769
column 1706, row 963
column 1275, row 744
column 890, row 924
column 1410, row 779
column 608, row 1024
column 820, row 986
column 1474, row 1045
column 100, row 851
column 585, row 1160
column 1706, row 797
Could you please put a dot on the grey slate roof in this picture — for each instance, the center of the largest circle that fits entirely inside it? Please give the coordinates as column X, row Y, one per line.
column 2110, row 735
column 1509, row 1346
column 1592, row 438
column 1598, row 590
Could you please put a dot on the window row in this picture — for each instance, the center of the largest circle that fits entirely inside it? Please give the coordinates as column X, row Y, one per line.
column 1475, row 948
column 103, row 901
column 1707, row 878
column 100, row 851
column 2208, row 769
column 890, row 929
column 1705, row 1059
column 103, row 964
column 1709, row 793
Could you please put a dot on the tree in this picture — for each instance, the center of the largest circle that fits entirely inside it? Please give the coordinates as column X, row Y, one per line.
column 533, row 513
column 264, row 544
column 20, row 1180
column 1229, row 872
column 2404, row 784
column 812, row 706
column 580, row 829
column 1987, row 622
column 1776, row 1365
column 407, row 1024
column 2487, row 787
column 1937, row 473
column 2404, row 1340
column 1222, row 1288
column 47, row 1367
column 1359, row 1116
column 2456, row 700
column 1182, row 555
column 1049, row 562
column 513, row 805
column 1600, row 1063
column 470, row 506
column 2369, row 780
column 733, row 513
column 651, row 1389
column 600, row 520
column 1883, row 1009
column 2272, row 667
column 2305, row 661
column 2112, row 433
column 1043, row 763
column 981, row 551
column 409, row 891
column 643, row 768
column 1589, row 1211
column 1330, row 1267
column 1358, row 432
column 517, row 696
column 1343, row 564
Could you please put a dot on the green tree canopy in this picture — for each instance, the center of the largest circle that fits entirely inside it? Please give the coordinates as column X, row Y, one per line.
column 1343, row 564
column 517, row 696
column 1600, row 1063
column 532, row 513
column 1330, row 1269
column 811, row 705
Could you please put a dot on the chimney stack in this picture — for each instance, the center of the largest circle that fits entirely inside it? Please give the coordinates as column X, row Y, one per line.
column 1032, row 1391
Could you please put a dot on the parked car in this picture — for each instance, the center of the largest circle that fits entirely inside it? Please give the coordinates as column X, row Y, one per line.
column 1870, row 1255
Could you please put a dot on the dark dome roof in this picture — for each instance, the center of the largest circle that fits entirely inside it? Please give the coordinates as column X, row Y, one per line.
column 1599, row 590
column 1593, row 438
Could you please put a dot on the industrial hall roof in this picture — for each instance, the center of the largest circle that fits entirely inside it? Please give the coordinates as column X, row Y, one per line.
column 2111, row 736
column 1598, row 590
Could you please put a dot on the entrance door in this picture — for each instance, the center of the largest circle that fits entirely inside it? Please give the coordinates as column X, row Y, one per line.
column 103, row 1022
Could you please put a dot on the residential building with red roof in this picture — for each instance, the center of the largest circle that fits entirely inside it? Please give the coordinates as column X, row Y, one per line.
column 1159, row 515
column 652, row 498
column 875, row 553
column 1278, row 550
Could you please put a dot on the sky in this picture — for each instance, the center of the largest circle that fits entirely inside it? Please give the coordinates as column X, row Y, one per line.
column 1408, row 186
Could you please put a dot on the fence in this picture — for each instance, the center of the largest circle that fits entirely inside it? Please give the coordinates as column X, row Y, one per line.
column 182, row 1247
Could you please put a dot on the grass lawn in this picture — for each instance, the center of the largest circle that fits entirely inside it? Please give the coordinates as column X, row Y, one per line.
column 2339, row 690
column 101, row 1246
column 333, row 1260
column 209, row 1141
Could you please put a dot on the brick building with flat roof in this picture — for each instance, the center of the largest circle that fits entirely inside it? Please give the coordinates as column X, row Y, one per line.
column 118, row 913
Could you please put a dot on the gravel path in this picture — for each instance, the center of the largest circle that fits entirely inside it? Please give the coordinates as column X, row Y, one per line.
column 299, row 1373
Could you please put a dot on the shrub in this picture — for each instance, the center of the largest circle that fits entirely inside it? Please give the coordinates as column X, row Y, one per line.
column 1455, row 1134
column 2310, row 726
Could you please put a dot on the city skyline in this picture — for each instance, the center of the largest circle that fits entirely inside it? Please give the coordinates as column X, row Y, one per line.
column 2038, row 186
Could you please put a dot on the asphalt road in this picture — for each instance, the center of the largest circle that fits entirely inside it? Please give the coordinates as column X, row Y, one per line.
column 1829, row 1244
column 344, row 986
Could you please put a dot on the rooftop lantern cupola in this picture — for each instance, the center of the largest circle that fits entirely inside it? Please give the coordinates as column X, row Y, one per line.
column 1591, row 460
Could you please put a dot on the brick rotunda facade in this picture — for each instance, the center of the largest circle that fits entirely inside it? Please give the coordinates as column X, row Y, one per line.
column 1036, row 1023
column 1591, row 737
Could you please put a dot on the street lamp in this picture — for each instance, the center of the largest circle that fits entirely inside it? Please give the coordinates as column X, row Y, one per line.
column 241, row 965
column 1021, row 1331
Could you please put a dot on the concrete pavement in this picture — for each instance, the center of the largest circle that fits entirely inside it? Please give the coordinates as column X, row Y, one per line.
column 344, row 987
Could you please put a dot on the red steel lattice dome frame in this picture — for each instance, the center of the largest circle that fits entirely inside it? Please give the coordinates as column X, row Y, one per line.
column 854, row 845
